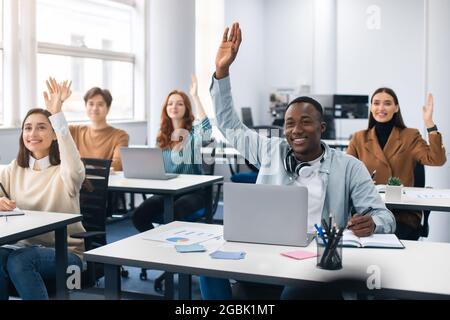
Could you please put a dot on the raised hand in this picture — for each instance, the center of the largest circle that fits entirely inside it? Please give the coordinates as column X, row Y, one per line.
column 427, row 112
column 193, row 90
column 52, row 98
column 66, row 91
column 228, row 50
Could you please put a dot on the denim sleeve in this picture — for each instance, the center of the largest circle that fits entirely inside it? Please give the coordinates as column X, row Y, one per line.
column 249, row 144
column 364, row 195
column 201, row 132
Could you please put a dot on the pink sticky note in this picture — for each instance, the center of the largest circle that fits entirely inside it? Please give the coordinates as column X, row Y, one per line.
column 299, row 254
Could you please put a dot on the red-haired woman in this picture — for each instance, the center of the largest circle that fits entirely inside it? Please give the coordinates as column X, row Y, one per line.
column 181, row 142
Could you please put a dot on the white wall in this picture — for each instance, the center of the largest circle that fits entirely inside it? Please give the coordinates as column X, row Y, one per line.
column 209, row 27
column 438, row 82
column 247, row 72
column 171, row 54
column 391, row 56
column 324, row 47
column 288, row 47
column 9, row 145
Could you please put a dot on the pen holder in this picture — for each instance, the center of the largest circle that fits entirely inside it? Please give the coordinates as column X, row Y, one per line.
column 329, row 256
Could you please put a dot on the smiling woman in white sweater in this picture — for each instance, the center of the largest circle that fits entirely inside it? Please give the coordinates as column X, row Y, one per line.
column 46, row 176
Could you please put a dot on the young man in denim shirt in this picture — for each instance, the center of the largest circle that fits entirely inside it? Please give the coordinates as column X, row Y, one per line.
column 336, row 182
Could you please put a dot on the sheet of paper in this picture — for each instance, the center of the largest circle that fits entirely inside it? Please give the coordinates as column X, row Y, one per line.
column 182, row 236
column 299, row 254
column 427, row 193
column 190, row 248
column 228, row 255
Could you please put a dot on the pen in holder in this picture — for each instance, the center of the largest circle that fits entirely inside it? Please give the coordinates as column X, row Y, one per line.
column 329, row 251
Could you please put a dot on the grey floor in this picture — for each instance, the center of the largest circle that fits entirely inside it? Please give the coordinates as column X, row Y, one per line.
column 119, row 230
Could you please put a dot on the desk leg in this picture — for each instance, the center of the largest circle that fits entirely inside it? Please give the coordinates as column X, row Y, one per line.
column 184, row 286
column 209, row 203
column 169, row 286
column 112, row 282
column 61, row 263
column 168, row 208
column 168, row 217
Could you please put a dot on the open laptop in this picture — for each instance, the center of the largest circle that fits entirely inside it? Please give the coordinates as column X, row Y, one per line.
column 144, row 163
column 266, row 214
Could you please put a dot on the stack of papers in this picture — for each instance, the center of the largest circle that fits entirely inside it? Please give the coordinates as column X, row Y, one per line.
column 182, row 236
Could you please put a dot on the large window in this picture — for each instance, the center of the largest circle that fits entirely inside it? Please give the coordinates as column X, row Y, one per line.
column 91, row 43
column 1, row 62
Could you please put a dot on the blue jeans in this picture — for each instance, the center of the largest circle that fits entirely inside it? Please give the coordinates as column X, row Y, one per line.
column 215, row 288
column 28, row 269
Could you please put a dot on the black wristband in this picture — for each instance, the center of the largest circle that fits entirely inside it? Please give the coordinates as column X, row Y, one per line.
column 434, row 128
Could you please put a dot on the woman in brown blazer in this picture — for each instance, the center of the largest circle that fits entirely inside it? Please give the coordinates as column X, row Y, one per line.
column 389, row 148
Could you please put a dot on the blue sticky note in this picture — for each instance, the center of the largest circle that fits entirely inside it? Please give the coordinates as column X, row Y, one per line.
column 227, row 255
column 190, row 248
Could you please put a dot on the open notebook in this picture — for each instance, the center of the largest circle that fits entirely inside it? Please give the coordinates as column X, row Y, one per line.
column 373, row 241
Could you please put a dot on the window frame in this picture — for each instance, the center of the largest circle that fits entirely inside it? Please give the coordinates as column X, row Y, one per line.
column 23, row 90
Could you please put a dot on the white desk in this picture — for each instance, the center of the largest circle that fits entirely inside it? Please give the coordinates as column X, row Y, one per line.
column 341, row 144
column 34, row 223
column 167, row 188
column 421, row 268
column 411, row 202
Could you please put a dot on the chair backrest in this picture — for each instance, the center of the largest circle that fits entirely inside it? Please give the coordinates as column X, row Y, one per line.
column 269, row 131
column 209, row 163
column 203, row 214
column 419, row 181
column 94, row 196
column 419, row 176
column 247, row 117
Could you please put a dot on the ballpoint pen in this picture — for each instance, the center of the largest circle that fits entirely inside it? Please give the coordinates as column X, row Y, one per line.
column 327, row 229
column 4, row 191
column 320, row 233
column 373, row 174
column 12, row 215
column 366, row 211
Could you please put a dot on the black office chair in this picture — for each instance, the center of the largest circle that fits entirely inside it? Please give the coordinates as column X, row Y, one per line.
column 93, row 207
column 419, row 181
column 251, row 177
column 247, row 117
column 93, row 197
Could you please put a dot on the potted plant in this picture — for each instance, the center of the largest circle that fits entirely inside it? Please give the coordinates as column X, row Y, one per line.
column 394, row 190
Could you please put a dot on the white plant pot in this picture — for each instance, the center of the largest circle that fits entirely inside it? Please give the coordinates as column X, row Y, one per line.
column 394, row 193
